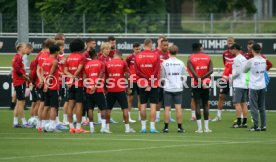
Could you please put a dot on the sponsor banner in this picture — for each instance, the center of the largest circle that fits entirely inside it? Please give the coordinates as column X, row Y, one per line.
column 6, row 91
column 211, row 45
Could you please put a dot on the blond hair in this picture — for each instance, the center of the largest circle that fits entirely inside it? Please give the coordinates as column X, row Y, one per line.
column 105, row 45
column 19, row 45
column 60, row 43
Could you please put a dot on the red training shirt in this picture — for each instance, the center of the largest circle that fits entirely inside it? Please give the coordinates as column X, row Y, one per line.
column 18, row 70
column 54, row 80
column 115, row 70
column 130, row 60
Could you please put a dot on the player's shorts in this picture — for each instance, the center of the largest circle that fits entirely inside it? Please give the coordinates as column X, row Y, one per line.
column 161, row 94
column 40, row 94
column 172, row 98
column 134, row 89
column 121, row 97
column 51, row 98
column 97, row 99
column 75, row 93
column 225, row 88
column 63, row 92
column 34, row 95
column 240, row 95
column 201, row 94
column 151, row 96
column 20, row 92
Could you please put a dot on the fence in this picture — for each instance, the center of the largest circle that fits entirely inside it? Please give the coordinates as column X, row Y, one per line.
column 142, row 23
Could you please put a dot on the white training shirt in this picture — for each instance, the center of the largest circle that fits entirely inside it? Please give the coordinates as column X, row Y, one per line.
column 238, row 75
column 256, row 67
column 174, row 73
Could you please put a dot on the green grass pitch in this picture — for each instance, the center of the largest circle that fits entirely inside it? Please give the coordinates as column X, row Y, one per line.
column 223, row 144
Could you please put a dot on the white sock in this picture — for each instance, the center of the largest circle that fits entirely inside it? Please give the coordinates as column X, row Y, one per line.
column 129, row 117
column 103, row 123
column 199, row 125
column 193, row 113
column 127, row 127
column 157, row 114
column 71, row 125
column 139, row 116
column 99, row 117
column 39, row 123
column 91, row 126
column 242, row 115
column 219, row 113
column 206, row 124
column 74, row 117
column 43, row 124
column 52, row 124
column 83, row 119
column 15, row 120
column 24, row 121
column 152, row 125
column 143, row 122
column 65, row 118
column 78, row 126
column 57, row 119
column 107, row 126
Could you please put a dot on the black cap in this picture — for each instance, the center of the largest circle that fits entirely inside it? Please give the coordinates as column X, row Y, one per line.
column 235, row 46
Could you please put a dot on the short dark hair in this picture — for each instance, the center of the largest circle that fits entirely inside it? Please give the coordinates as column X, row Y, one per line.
column 173, row 50
column 118, row 53
column 250, row 42
column 196, row 47
column 92, row 53
column 48, row 42
column 257, row 48
column 164, row 40
column 76, row 45
column 89, row 40
column 54, row 48
column 147, row 41
column 235, row 46
column 29, row 46
column 111, row 38
column 136, row 45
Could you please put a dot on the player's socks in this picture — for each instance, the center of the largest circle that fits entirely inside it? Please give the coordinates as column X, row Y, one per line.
column 166, row 126
column 143, row 123
column 152, row 125
column 127, row 127
column 244, row 121
column 103, row 123
column 78, row 126
column 219, row 113
column 157, row 114
column 71, row 125
column 65, row 118
column 179, row 126
column 15, row 120
column 139, row 116
column 74, row 117
column 99, row 117
column 24, row 122
column 107, row 126
column 91, row 127
column 199, row 124
column 52, row 124
column 239, row 121
column 43, row 124
column 206, row 124
column 83, row 119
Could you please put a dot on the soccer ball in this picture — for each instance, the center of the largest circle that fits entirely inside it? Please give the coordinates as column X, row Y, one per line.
column 32, row 121
column 47, row 127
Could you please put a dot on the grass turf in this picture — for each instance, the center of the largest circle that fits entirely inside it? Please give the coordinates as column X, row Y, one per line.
column 5, row 60
column 224, row 144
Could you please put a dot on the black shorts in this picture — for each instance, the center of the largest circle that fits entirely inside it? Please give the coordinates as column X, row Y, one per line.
column 51, row 98
column 40, row 94
column 151, row 95
column 34, row 94
column 224, row 88
column 20, row 92
column 121, row 97
column 161, row 94
column 97, row 99
column 134, row 89
column 171, row 98
column 75, row 93
column 201, row 94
